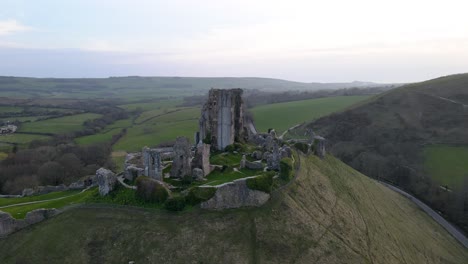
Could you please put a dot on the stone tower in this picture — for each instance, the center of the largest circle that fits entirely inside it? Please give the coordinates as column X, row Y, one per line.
column 222, row 118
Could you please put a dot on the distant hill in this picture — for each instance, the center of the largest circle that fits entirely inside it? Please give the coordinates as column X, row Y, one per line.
column 135, row 87
column 329, row 214
column 396, row 136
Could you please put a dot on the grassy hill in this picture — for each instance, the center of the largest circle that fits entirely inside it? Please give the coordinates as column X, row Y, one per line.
column 402, row 125
column 329, row 214
column 406, row 136
column 135, row 87
column 282, row 116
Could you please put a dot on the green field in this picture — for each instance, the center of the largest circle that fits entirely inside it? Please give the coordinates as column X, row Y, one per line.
column 25, row 118
column 282, row 116
column 148, row 115
column 160, row 128
column 10, row 109
column 447, row 165
column 65, row 198
column 58, row 125
column 146, row 106
column 153, row 134
column 123, row 123
column 101, row 137
column 21, row 138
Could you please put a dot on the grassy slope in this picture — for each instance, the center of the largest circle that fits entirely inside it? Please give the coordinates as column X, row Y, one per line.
column 21, row 138
column 66, row 199
column 330, row 214
column 282, row 116
column 53, row 195
column 448, row 165
column 397, row 124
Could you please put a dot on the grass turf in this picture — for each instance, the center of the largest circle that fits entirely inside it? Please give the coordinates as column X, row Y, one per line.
column 21, row 138
column 98, row 138
column 155, row 132
column 447, row 165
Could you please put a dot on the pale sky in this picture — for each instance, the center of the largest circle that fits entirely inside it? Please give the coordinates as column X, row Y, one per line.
column 311, row 41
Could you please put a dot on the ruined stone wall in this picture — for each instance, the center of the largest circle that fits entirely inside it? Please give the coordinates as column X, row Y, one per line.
column 9, row 224
column 152, row 163
column 222, row 118
column 182, row 158
column 226, row 116
column 234, row 195
column 202, row 158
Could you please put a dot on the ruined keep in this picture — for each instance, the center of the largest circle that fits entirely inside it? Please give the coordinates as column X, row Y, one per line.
column 222, row 120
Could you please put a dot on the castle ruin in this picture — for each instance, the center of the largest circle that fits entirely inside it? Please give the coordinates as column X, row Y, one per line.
column 222, row 120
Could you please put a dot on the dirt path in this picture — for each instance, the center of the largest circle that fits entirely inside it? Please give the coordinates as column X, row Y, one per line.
column 121, row 181
column 289, row 129
column 448, row 100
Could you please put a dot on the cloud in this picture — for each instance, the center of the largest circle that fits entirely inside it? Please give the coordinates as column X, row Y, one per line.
column 11, row 26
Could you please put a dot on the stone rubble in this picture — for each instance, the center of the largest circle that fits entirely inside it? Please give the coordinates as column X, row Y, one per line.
column 319, row 146
column 274, row 159
column 198, row 174
column 256, row 165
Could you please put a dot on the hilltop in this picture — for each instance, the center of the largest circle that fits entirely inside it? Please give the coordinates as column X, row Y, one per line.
column 413, row 136
column 329, row 214
column 135, row 87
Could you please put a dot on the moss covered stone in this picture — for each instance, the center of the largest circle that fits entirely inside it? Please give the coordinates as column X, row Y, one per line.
column 149, row 190
column 303, row 147
column 197, row 195
column 261, row 183
column 286, row 169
